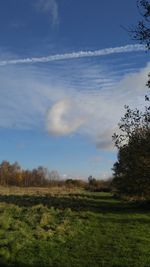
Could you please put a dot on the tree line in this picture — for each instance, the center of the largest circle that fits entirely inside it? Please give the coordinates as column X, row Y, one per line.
column 14, row 175
column 132, row 169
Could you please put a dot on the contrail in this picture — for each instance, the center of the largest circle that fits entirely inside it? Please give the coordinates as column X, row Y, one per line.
column 74, row 55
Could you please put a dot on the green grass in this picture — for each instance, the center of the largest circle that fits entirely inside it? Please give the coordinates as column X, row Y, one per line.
column 73, row 230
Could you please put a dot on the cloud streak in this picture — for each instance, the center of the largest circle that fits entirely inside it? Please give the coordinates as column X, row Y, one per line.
column 72, row 98
column 75, row 55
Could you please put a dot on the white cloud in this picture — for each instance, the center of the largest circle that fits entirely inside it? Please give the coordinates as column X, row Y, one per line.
column 50, row 7
column 98, row 114
column 74, row 55
column 30, row 95
column 63, row 118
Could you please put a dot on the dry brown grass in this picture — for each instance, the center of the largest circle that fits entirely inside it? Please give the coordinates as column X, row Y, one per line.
column 15, row 190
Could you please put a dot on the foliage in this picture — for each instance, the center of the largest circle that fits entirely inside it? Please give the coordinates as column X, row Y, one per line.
column 132, row 170
column 14, row 175
column 98, row 185
column 142, row 31
column 72, row 183
column 134, row 123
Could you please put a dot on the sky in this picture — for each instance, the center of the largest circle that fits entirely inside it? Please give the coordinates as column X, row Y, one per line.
column 67, row 68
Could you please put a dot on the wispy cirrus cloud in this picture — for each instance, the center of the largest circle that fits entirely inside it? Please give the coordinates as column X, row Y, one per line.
column 49, row 7
column 75, row 55
column 98, row 112
column 70, row 98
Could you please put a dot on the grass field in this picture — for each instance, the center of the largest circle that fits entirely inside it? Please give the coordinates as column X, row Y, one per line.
column 72, row 229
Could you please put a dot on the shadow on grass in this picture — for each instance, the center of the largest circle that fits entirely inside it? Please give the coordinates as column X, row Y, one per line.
column 93, row 195
column 81, row 202
column 4, row 264
column 77, row 203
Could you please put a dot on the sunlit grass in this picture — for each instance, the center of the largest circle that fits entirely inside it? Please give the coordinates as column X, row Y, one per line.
column 74, row 229
column 15, row 190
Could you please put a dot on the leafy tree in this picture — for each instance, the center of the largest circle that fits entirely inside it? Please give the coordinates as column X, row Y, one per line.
column 10, row 173
column 132, row 170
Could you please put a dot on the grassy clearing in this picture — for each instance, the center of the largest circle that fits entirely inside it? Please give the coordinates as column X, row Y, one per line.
column 73, row 230
column 15, row 190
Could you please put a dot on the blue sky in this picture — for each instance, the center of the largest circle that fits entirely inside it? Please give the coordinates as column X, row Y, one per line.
column 67, row 68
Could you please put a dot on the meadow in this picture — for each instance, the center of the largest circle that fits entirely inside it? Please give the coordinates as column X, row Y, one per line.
column 72, row 228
